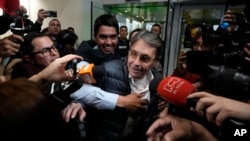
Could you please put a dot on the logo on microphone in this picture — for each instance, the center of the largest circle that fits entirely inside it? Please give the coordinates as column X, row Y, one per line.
column 173, row 85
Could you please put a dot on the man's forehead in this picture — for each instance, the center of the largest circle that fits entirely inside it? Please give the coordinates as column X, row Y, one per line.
column 41, row 40
column 107, row 34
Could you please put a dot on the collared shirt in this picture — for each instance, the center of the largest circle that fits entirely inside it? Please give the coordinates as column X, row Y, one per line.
column 141, row 86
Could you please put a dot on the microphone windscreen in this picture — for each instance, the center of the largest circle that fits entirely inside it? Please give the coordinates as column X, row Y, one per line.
column 175, row 90
column 9, row 6
column 98, row 71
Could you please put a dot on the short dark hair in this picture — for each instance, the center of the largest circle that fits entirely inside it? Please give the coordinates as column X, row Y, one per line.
column 26, row 47
column 71, row 28
column 123, row 26
column 107, row 20
column 66, row 37
column 157, row 25
column 45, row 30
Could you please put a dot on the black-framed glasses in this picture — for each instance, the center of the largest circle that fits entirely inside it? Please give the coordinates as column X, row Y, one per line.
column 143, row 58
column 198, row 44
column 202, row 46
column 47, row 51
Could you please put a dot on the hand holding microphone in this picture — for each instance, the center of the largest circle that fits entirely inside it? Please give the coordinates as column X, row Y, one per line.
column 89, row 72
column 219, row 109
column 175, row 90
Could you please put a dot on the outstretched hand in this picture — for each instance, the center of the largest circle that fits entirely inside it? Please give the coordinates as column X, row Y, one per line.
column 218, row 108
column 56, row 70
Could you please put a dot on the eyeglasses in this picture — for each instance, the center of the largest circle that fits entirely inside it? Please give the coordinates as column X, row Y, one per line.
column 143, row 58
column 197, row 44
column 47, row 51
column 201, row 45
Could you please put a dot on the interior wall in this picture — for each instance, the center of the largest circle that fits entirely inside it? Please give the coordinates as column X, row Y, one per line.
column 75, row 13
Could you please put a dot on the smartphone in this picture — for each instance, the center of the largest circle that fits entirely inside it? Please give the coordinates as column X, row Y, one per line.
column 52, row 13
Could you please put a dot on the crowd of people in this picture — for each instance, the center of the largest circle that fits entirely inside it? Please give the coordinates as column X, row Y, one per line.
column 38, row 66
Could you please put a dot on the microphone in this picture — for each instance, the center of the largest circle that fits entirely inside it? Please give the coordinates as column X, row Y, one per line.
column 9, row 6
column 175, row 90
column 89, row 72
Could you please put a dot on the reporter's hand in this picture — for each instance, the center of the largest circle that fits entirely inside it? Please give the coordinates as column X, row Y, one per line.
column 228, row 17
column 132, row 102
column 72, row 110
column 182, row 66
column 56, row 70
column 8, row 46
column 218, row 108
column 247, row 52
column 172, row 128
column 2, row 78
column 22, row 9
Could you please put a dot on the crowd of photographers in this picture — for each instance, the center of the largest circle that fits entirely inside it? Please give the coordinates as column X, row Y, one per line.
column 217, row 65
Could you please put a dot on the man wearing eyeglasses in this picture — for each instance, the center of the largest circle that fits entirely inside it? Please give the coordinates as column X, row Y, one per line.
column 38, row 51
column 124, row 77
column 197, row 35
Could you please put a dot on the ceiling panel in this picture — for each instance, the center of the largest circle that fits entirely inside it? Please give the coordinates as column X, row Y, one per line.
column 148, row 12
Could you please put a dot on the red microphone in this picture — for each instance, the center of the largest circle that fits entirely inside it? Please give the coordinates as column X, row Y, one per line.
column 175, row 90
column 9, row 6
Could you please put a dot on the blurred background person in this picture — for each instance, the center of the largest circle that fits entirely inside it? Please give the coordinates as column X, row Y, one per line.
column 196, row 34
column 123, row 42
column 156, row 28
column 54, row 28
column 66, row 41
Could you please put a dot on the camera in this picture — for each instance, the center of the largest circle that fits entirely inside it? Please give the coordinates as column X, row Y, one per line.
column 21, row 24
column 61, row 90
column 224, row 69
column 52, row 13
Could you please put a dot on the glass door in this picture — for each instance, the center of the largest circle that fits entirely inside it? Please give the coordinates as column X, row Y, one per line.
column 186, row 15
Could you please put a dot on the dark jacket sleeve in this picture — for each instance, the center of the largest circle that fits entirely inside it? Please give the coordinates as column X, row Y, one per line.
column 36, row 26
column 84, row 50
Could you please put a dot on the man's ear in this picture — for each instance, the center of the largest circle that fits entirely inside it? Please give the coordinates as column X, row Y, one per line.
column 29, row 59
